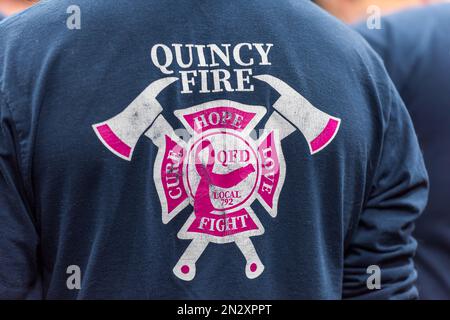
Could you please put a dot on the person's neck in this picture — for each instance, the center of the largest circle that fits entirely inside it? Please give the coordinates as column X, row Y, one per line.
column 9, row 7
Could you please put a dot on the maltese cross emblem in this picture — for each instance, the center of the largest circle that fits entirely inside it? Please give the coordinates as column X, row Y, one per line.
column 221, row 169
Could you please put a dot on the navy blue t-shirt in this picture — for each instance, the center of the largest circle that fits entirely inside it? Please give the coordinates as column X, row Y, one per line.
column 201, row 149
column 415, row 46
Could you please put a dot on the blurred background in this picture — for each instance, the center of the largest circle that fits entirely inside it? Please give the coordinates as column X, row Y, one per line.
column 412, row 37
column 10, row 7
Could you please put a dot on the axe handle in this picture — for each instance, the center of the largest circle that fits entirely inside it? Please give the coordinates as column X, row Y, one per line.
column 254, row 265
column 185, row 269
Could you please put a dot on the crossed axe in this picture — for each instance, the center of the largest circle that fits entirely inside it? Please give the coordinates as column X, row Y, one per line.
column 121, row 133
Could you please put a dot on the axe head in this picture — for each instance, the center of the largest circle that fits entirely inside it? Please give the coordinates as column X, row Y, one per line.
column 318, row 127
column 121, row 133
column 324, row 135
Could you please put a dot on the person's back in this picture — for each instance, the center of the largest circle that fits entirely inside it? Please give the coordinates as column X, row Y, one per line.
column 414, row 45
column 94, row 173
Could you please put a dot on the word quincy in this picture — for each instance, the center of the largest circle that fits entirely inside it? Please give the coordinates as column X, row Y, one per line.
column 207, row 66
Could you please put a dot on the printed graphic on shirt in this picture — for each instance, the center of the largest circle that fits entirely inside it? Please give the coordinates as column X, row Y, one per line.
column 221, row 170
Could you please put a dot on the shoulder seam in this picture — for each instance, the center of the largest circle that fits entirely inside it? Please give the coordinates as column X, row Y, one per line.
column 20, row 155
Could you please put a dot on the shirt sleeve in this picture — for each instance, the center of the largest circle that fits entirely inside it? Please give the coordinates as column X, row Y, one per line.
column 383, row 235
column 19, row 240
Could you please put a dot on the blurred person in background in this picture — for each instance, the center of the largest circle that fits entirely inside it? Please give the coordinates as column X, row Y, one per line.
column 10, row 7
column 415, row 47
column 351, row 11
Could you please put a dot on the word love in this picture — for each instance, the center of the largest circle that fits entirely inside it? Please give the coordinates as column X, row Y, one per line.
column 206, row 68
